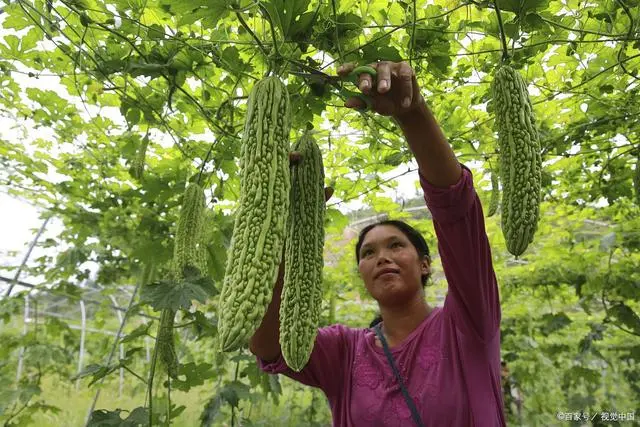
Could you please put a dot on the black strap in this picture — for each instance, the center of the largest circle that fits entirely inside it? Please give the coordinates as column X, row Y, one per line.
column 405, row 393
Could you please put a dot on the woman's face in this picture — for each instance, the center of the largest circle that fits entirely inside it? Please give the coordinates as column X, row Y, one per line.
column 390, row 265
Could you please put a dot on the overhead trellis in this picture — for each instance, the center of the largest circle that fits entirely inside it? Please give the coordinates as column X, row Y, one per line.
column 114, row 106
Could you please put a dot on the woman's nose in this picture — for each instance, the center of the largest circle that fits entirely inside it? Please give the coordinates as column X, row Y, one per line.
column 383, row 257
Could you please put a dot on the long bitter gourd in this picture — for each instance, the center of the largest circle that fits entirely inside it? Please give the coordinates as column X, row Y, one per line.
column 520, row 159
column 259, row 225
column 304, row 262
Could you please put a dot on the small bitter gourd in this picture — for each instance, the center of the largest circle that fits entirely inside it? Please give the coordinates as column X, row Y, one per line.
column 166, row 343
column 304, row 262
column 259, row 226
column 187, row 250
column 137, row 165
column 520, row 159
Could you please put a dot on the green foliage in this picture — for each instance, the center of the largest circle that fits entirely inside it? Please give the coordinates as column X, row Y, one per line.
column 84, row 84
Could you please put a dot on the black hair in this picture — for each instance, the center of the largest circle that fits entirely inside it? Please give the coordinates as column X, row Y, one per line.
column 376, row 320
column 412, row 234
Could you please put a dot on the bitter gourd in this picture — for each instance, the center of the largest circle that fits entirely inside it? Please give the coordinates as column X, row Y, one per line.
column 520, row 159
column 137, row 165
column 259, row 225
column 166, row 343
column 187, row 251
column 302, row 290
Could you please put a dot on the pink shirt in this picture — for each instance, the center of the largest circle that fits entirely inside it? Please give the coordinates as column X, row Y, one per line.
column 450, row 363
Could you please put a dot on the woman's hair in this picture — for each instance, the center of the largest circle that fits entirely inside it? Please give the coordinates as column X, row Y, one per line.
column 412, row 234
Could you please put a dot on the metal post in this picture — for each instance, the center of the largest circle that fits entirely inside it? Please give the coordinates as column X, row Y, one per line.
column 121, row 372
column 83, row 315
column 120, row 318
column 25, row 329
column 147, row 347
column 26, row 257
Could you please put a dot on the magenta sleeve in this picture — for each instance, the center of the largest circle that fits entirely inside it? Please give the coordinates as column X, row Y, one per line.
column 472, row 299
column 327, row 364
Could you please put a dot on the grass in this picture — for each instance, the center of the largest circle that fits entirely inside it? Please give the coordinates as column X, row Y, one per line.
column 74, row 404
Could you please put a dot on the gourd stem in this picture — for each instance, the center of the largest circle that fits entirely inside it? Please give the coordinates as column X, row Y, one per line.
column 503, row 37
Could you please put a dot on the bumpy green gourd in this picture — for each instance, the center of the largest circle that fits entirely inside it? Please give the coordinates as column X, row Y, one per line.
column 259, row 226
column 520, row 159
column 302, row 290
column 495, row 195
column 137, row 165
column 166, row 344
column 189, row 231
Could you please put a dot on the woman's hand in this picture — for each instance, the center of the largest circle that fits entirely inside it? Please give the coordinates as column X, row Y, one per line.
column 394, row 92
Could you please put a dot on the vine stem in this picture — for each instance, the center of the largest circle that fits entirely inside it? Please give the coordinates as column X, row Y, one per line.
column 267, row 15
column 337, row 33
column 503, row 36
column 152, row 371
column 204, row 163
column 233, row 408
column 413, row 35
column 253, row 35
column 146, row 274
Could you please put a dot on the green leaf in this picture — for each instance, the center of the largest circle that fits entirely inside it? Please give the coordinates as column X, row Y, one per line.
column 211, row 410
column 554, row 322
column 235, row 391
column 533, row 21
column 140, row 331
column 96, row 371
column 175, row 295
column 192, row 375
column 105, row 418
column 512, row 29
column 626, row 316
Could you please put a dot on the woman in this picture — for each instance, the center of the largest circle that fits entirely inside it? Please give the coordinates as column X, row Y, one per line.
column 441, row 366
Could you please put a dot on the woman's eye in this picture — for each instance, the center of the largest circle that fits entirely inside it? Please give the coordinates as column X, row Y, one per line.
column 396, row 244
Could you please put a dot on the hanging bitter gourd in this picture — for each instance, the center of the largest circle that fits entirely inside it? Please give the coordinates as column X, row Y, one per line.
column 137, row 165
column 495, row 194
column 520, row 159
column 165, row 342
column 187, row 250
column 259, row 225
column 186, row 253
column 303, row 262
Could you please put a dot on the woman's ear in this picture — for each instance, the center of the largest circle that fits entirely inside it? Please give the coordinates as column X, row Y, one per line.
column 426, row 265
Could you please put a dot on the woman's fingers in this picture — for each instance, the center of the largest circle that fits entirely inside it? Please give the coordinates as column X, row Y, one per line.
column 294, row 158
column 345, row 69
column 384, row 76
column 405, row 77
column 328, row 192
column 354, row 102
